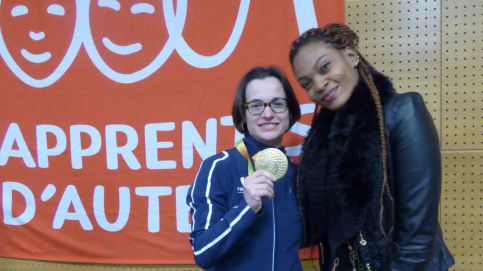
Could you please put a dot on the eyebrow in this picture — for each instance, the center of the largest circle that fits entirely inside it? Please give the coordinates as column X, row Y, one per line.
column 315, row 65
column 318, row 59
column 258, row 100
column 114, row 4
column 142, row 8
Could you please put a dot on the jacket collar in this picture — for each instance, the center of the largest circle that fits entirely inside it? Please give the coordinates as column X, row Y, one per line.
column 254, row 146
column 348, row 143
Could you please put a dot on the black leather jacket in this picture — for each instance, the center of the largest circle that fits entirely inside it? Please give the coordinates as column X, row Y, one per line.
column 407, row 236
column 414, row 175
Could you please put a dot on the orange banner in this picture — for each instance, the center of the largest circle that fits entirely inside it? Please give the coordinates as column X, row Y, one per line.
column 108, row 108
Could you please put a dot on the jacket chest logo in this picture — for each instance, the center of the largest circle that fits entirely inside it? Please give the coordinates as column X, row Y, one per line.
column 239, row 189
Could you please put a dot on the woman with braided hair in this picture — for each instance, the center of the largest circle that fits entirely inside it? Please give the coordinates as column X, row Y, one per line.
column 370, row 170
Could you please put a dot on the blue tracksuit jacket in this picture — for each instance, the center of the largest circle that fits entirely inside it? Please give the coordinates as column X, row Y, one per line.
column 226, row 233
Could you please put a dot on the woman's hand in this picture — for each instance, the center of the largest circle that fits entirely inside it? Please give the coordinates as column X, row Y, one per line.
column 258, row 185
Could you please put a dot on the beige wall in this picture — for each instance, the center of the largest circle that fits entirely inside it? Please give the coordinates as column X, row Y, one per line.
column 434, row 47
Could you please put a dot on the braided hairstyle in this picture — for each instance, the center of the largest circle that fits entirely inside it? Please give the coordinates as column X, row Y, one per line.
column 340, row 36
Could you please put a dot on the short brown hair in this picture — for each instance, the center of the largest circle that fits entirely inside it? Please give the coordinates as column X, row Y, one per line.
column 238, row 109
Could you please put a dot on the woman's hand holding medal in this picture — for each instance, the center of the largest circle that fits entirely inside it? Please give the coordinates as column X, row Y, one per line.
column 258, row 185
column 271, row 164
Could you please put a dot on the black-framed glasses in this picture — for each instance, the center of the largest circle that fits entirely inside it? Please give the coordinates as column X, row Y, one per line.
column 256, row 107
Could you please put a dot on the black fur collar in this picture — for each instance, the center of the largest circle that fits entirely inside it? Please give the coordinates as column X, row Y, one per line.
column 340, row 174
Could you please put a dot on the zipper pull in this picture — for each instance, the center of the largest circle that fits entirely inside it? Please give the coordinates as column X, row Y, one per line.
column 362, row 242
column 336, row 263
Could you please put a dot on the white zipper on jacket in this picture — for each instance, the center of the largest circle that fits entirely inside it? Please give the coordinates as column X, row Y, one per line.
column 273, row 252
column 240, row 145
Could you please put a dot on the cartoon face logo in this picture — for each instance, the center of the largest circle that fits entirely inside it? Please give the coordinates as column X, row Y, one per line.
column 37, row 39
column 126, row 40
column 127, row 37
column 175, row 24
column 137, row 32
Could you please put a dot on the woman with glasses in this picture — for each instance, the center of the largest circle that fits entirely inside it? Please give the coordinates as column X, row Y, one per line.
column 243, row 218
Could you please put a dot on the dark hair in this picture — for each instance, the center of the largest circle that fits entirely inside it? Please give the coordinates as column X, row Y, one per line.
column 238, row 109
column 340, row 37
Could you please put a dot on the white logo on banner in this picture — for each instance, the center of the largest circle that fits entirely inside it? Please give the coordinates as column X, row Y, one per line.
column 53, row 10
column 175, row 21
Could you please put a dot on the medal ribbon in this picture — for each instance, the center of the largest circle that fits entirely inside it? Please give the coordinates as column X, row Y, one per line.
column 240, row 145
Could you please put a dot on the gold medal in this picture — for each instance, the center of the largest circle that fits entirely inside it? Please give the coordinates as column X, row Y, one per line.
column 272, row 160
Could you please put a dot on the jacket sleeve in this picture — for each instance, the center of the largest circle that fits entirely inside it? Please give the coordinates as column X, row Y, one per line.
column 417, row 182
column 216, row 227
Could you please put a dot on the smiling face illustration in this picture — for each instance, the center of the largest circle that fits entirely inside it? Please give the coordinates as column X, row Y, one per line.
column 36, row 37
column 126, row 40
column 127, row 35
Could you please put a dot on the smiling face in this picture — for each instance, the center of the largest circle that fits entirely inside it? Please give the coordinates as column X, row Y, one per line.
column 268, row 127
column 328, row 75
column 124, row 39
column 37, row 34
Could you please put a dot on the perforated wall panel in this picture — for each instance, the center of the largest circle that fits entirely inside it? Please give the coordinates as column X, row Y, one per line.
column 462, row 88
column 462, row 208
column 402, row 40
column 436, row 49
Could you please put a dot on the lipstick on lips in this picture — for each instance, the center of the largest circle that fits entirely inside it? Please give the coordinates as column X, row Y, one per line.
column 330, row 94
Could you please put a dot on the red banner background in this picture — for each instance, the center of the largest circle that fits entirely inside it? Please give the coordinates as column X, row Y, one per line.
column 100, row 141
